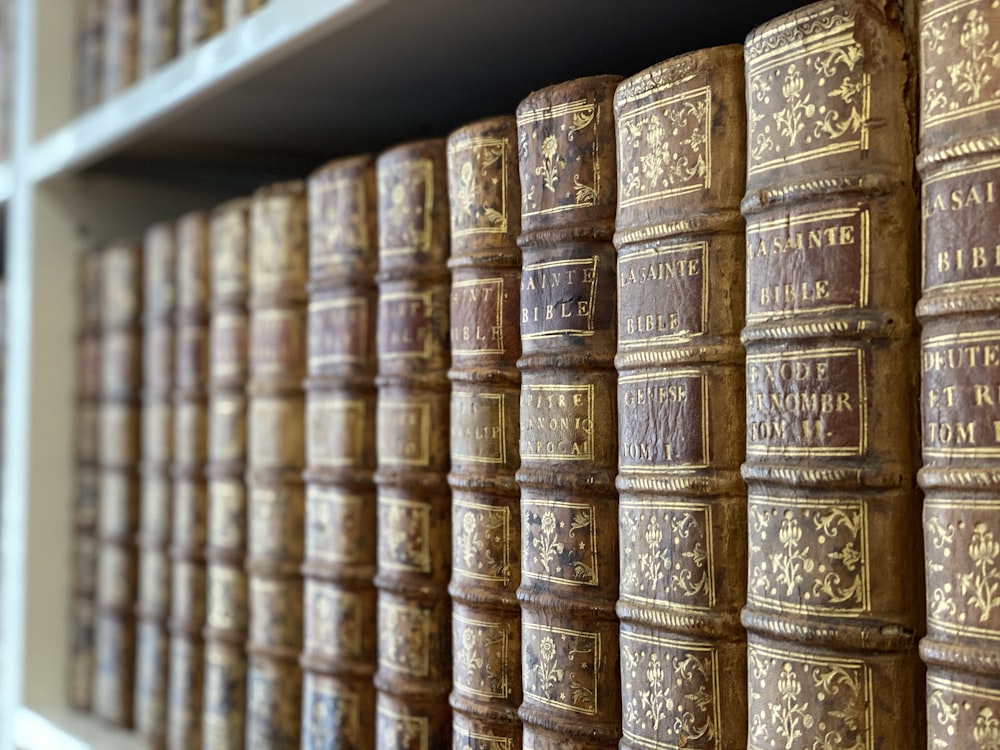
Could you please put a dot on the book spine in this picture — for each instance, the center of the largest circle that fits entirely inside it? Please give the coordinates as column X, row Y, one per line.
column 119, row 48
column 275, row 459
column 414, row 503
column 682, row 510
column 90, row 53
column 87, row 437
column 568, row 417
column 831, row 370
column 121, row 380
column 199, row 20
column 153, row 599
column 157, row 43
column 960, row 356
column 190, row 491
column 338, row 655
column 484, row 196
column 225, row 632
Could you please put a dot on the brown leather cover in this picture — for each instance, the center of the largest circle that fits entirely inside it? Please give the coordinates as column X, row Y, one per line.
column 275, row 459
column 157, row 34
column 152, row 606
column 960, row 165
column 414, row 503
column 568, row 417
column 834, row 596
column 87, row 477
column 682, row 508
column 120, row 46
column 199, row 20
column 235, row 11
column 190, row 497
column 224, row 698
column 121, row 341
column 338, row 656
column 485, row 197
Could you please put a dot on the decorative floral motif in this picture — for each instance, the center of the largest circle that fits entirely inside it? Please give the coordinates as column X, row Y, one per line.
column 963, row 576
column 404, row 535
column 817, row 704
column 470, row 659
column 547, row 669
column 469, row 543
column 560, row 544
column 406, row 201
column 546, row 542
column 672, row 695
column 820, row 561
column 551, row 164
column 483, row 540
column 804, row 103
column 669, row 149
column 403, row 638
column 986, row 732
column 953, row 86
column 982, row 584
column 550, row 147
column 671, row 568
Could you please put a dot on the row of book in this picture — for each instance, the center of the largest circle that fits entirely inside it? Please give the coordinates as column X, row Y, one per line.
column 120, row 42
column 446, row 448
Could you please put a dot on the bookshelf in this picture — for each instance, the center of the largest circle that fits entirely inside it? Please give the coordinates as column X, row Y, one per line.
column 297, row 83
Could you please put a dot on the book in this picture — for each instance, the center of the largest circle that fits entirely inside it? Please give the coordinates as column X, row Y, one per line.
column 119, row 46
column 568, row 417
column 188, row 528
column 339, row 638
column 279, row 250
column 118, row 494
column 235, row 11
column 414, row 503
column 90, row 53
column 681, row 135
column 198, row 20
column 225, row 631
column 87, row 474
column 834, row 591
column 484, row 194
column 959, row 161
column 157, row 42
column 155, row 490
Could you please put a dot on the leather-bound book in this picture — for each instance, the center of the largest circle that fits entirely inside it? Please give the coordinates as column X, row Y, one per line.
column 199, row 20
column 90, row 53
column 568, row 417
column 153, row 602
column 682, row 505
column 338, row 654
column 235, row 11
column 279, row 250
column 484, row 195
column 834, row 591
column 119, row 49
column 959, row 161
column 225, row 632
column 85, row 501
column 190, row 492
column 157, row 34
column 414, row 502
column 118, row 495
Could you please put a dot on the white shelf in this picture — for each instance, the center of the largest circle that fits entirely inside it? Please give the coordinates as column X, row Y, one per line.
column 59, row 729
column 267, row 36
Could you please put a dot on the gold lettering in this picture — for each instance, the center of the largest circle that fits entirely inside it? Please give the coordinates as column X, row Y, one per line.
column 952, row 433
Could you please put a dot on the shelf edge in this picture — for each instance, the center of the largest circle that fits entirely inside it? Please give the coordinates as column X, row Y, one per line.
column 274, row 32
